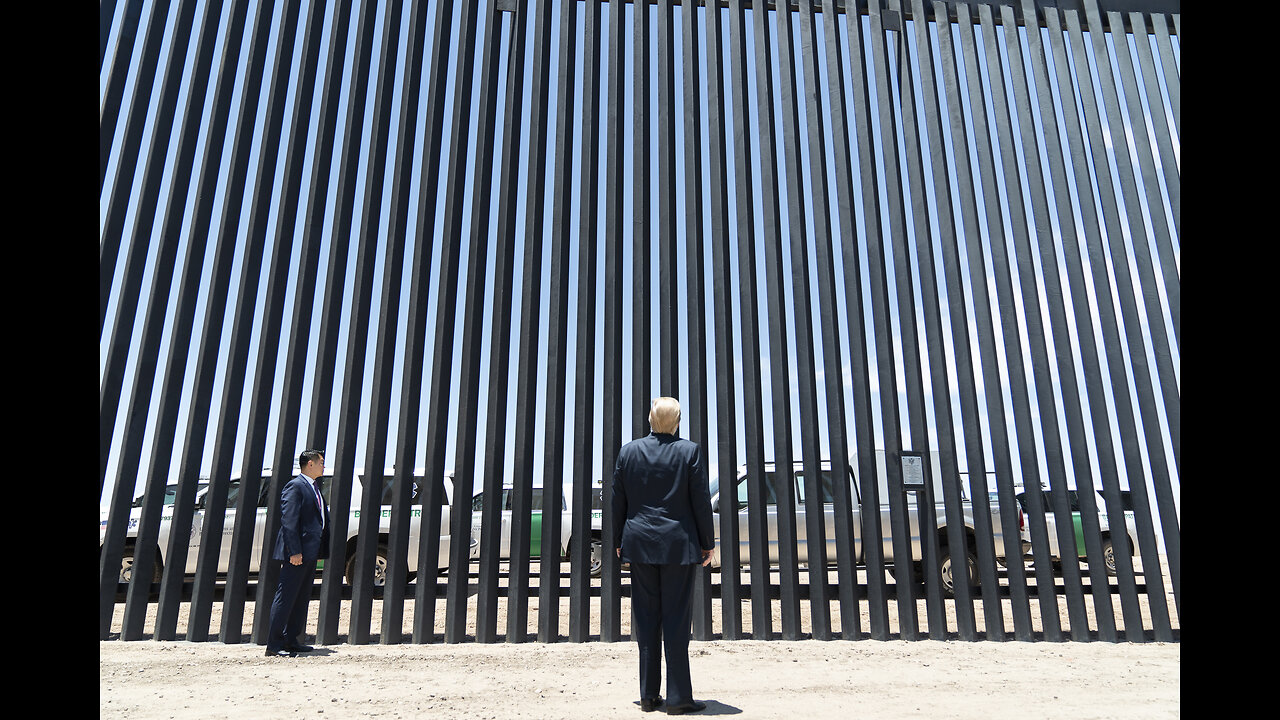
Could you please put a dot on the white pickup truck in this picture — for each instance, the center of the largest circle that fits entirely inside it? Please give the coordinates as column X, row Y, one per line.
column 255, row 558
column 832, row 549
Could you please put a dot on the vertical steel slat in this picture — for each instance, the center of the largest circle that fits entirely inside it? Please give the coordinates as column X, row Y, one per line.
column 1160, row 237
column 123, row 187
column 779, row 375
column 1168, row 163
column 500, row 342
column 246, row 297
column 846, row 532
column 179, row 344
column 583, row 468
column 1169, row 67
column 127, row 293
column 726, row 426
column 899, row 522
column 1023, row 239
column 1099, row 417
column 983, row 315
column 180, row 529
column 481, row 183
column 403, row 497
column 957, row 539
column 753, row 421
column 811, row 454
column 108, row 115
column 912, row 371
column 384, row 336
column 641, row 242
column 1113, row 343
column 124, row 68
column 1099, row 582
column 106, row 14
column 1146, row 386
column 431, row 497
column 699, row 411
column 446, row 319
column 148, row 191
column 344, row 470
column 284, row 454
column 667, row 294
column 869, row 494
column 1024, row 432
column 530, row 333
column 135, row 420
column 612, row 402
column 235, row 589
column 472, row 301
column 983, row 534
column 557, row 330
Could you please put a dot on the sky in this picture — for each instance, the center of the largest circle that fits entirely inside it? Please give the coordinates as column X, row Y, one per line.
column 424, row 182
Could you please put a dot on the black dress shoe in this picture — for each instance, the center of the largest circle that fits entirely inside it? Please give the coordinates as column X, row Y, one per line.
column 279, row 653
column 691, row 706
column 650, row 704
column 298, row 648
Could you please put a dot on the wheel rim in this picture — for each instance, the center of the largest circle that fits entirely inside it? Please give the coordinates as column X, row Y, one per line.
column 126, row 568
column 380, row 571
column 597, row 556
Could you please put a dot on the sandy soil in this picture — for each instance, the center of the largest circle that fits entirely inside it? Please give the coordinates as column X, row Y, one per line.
column 755, row 678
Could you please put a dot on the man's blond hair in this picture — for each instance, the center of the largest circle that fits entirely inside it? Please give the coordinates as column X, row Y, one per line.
column 664, row 415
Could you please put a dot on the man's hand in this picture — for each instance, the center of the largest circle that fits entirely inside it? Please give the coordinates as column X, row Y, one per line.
column 295, row 559
column 706, row 558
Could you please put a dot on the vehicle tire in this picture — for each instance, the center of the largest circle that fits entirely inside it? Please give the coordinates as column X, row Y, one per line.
column 1109, row 556
column 126, row 566
column 597, row 557
column 379, row 568
column 947, row 569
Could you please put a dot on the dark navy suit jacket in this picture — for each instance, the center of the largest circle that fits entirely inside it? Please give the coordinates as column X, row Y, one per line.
column 303, row 528
column 661, row 501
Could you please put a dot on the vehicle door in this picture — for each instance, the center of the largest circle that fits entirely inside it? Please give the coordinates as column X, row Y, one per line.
column 771, row 519
column 828, row 515
column 535, row 524
column 260, row 524
column 259, row 509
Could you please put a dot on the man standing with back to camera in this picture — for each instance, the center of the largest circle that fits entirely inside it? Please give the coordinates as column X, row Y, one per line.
column 662, row 506
column 302, row 540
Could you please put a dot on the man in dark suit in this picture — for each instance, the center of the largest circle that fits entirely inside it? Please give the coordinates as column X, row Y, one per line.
column 663, row 508
column 303, row 539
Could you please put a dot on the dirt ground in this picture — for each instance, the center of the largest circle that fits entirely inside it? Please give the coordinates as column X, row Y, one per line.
column 755, row 678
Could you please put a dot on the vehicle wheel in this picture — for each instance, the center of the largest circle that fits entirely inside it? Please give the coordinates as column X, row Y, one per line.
column 379, row 568
column 597, row 557
column 126, row 567
column 1109, row 556
column 948, row 579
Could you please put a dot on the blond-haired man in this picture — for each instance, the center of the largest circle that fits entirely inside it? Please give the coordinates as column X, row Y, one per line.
column 664, row 529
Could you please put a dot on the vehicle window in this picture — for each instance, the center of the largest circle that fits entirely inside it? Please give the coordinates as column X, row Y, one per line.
column 827, row 496
column 1075, row 500
column 771, row 499
column 597, row 498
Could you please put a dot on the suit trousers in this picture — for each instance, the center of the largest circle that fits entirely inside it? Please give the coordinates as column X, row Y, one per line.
column 662, row 607
column 289, row 607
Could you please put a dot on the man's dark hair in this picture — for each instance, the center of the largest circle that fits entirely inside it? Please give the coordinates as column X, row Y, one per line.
column 309, row 456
